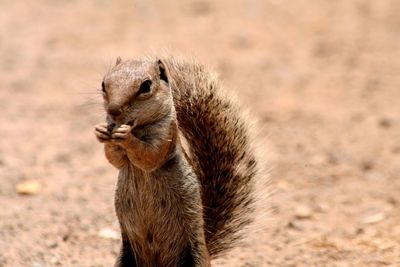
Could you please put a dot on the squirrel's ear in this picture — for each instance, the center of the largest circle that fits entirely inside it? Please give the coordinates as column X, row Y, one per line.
column 118, row 61
column 164, row 75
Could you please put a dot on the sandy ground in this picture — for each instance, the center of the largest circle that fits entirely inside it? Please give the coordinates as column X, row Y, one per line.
column 322, row 76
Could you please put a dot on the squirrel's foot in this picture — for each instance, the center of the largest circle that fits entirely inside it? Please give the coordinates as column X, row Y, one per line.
column 102, row 133
column 122, row 135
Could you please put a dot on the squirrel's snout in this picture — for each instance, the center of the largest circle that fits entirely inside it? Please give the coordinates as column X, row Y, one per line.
column 114, row 114
column 114, row 111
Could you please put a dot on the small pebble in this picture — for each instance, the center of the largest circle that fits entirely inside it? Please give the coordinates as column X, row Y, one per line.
column 321, row 207
column 29, row 187
column 303, row 212
column 372, row 217
column 200, row 8
column 295, row 225
column 367, row 165
column 54, row 260
column 109, row 233
column 385, row 123
column 52, row 244
column 65, row 237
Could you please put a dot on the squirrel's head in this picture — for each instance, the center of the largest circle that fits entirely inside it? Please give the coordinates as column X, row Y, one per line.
column 137, row 92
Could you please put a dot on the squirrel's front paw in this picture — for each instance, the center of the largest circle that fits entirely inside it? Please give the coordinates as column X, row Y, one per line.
column 122, row 135
column 102, row 133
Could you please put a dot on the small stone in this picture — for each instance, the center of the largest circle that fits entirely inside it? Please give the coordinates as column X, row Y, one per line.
column 295, row 225
column 108, row 233
column 200, row 8
column 396, row 150
column 392, row 201
column 367, row 165
column 52, row 244
column 303, row 212
column 359, row 231
column 371, row 217
column 56, row 261
column 66, row 237
column 385, row 123
column 29, row 187
column 241, row 42
column 321, row 207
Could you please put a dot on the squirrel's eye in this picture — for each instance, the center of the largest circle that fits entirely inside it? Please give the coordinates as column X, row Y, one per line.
column 103, row 87
column 145, row 87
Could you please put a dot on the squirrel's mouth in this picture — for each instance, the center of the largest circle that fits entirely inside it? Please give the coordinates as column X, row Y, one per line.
column 110, row 127
column 111, row 124
column 120, row 120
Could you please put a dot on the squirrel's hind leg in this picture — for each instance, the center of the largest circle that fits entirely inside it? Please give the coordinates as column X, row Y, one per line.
column 187, row 258
column 126, row 256
column 192, row 257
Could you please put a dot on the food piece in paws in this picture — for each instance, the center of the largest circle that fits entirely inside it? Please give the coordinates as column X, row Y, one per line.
column 110, row 127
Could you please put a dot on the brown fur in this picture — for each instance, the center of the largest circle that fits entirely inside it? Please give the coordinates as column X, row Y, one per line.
column 174, row 209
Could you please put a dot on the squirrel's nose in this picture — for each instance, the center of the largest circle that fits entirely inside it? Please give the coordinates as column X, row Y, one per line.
column 114, row 111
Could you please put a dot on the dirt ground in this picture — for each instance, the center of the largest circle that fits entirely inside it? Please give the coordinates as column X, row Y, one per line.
column 323, row 77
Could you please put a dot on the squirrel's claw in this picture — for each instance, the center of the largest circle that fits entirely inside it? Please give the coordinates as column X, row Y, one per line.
column 101, row 133
column 123, row 132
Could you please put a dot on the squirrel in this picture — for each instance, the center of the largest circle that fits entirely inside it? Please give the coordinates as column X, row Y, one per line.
column 177, row 205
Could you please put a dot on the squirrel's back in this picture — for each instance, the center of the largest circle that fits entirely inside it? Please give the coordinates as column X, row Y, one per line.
column 221, row 151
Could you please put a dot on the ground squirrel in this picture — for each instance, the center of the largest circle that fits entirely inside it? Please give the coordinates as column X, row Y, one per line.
column 176, row 206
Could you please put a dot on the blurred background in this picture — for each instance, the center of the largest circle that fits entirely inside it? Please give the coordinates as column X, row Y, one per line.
column 323, row 77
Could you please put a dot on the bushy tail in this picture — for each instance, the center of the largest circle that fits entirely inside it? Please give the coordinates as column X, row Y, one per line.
column 220, row 150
